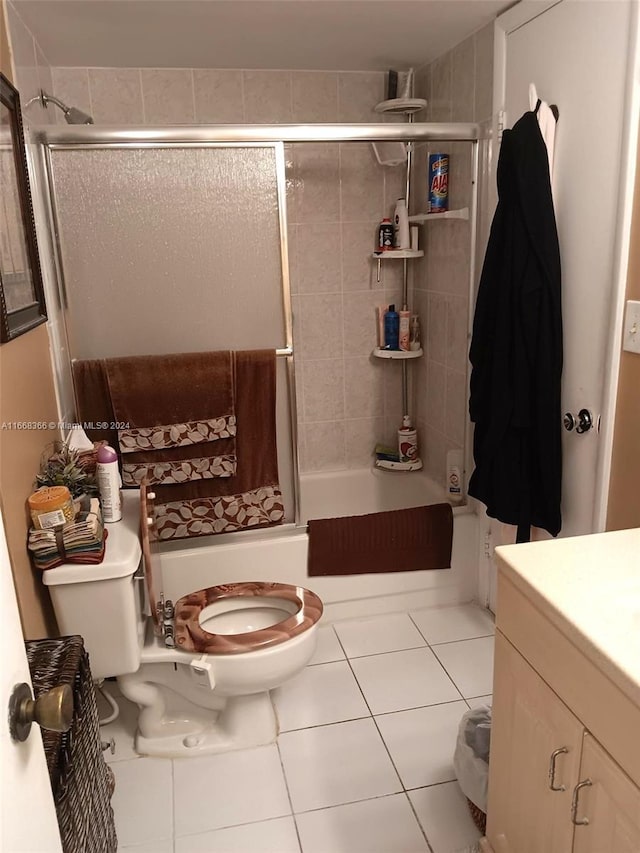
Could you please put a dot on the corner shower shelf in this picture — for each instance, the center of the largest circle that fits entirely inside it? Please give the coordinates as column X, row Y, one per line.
column 387, row 465
column 421, row 218
column 396, row 353
column 408, row 106
column 398, row 254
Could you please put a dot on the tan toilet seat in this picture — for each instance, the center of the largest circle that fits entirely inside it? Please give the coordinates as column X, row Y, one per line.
column 191, row 637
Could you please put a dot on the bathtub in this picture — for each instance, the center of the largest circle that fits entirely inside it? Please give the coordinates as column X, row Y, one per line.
column 280, row 554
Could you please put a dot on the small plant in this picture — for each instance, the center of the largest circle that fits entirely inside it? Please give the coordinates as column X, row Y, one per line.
column 63, row 467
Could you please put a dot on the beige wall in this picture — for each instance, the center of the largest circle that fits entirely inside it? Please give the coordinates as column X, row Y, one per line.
column 26, row 394
column 624, row 504
column 458, row 87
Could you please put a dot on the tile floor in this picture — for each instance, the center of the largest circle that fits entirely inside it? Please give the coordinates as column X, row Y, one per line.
column 363, row 762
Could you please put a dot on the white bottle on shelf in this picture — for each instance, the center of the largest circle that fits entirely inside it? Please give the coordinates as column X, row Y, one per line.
column 401, row 226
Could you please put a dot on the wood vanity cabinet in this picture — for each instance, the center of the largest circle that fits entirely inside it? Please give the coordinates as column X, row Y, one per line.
column 558, row 724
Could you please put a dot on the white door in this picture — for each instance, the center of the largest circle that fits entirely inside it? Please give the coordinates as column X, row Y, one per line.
column 578, row 56
column 29, row 823
column 583, row 57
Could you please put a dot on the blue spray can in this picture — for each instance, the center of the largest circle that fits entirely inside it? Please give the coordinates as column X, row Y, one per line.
column 438, row 183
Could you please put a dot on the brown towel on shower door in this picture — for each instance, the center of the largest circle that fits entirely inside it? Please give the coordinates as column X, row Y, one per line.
column 250, row 498
column 403, row 540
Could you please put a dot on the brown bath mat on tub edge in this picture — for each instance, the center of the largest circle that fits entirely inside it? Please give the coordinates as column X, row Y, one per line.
column 404, row 540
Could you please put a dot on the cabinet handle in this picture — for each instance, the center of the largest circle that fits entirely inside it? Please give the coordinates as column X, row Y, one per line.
column 552, row 769
column 574, row 803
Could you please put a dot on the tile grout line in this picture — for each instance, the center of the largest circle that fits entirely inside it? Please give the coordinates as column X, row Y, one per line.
column 439, row 662
column 286, row 784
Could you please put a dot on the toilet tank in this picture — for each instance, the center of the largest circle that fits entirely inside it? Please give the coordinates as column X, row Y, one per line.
column 103, row 603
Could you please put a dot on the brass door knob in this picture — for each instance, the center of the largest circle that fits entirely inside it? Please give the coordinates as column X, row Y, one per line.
column 53, row 710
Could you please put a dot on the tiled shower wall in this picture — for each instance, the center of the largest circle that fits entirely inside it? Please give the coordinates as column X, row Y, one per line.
column 458, row 87
column 337, row 194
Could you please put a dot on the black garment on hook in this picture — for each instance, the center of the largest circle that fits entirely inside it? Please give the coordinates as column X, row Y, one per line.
column 516, row 350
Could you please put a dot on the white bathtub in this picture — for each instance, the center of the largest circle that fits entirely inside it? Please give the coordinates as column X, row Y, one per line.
column 280, row 554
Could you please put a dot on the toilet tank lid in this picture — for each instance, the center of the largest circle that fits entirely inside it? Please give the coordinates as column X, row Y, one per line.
column 122, row 551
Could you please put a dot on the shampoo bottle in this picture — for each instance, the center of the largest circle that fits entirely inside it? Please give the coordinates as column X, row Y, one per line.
column 405, row 318
column 108, row 477
column 407, row 441
column 391, row 328
column 401, row 225
column 454, row 476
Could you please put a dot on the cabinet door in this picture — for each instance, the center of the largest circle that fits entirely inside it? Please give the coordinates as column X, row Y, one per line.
column 611, row 805
column 530, row 723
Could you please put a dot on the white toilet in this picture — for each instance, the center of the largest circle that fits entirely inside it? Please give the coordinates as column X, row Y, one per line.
column 200, row 670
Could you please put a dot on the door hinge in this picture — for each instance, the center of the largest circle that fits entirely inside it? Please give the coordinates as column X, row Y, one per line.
column 487, row 549
column 502, row 117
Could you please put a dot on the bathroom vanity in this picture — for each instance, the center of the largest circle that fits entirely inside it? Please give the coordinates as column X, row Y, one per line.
column 565, row 746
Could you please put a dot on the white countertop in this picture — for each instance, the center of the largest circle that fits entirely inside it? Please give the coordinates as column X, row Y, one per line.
column 589, row 587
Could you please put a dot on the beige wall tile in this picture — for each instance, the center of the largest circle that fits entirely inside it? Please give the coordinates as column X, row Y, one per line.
column 358, row 267
column 299, row 377
column 361, row 183
column 463, row 80
column 26, row 80
column 325, row 446
column 457, row 334
column 116, row 95
column 71, row 85
column 434, row 453
column 168, row 96
column 432, row 412
column 484, row 73
column 395, row 187
column 292, row 251
column 267, row 96
column 319, row 251
column 455, row 406
column 362, row 435
column 321, row 326
column 323, row 389
column 359, row 323
column 315, row 96
column 316, row 183
column 422, row 89
column 218, row 96
column 437, row 328
column 358, row 93
column 45, row 82
column 364, row 392
column 392, row 381
column 441, row 88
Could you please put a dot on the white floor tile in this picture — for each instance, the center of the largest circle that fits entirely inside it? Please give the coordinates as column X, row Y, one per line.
column 422, row 742
column 143, row 800
column 328, row 648
column 268, row 836
column 388, row 633
column 470, row 665
column 374, row 826
column 320, row 694
column 401, row 680
column 446, row 624
column 165, row 846
column 480, row 700
column 229, row 789
column 332, row 765
column 443, row 812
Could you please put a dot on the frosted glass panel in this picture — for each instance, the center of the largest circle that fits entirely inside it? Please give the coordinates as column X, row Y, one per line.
column 169, row 250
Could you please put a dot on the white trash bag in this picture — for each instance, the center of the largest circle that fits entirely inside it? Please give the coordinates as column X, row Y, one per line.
column 471, row 758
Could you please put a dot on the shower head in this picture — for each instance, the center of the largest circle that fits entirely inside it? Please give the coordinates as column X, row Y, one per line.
column 72, row 115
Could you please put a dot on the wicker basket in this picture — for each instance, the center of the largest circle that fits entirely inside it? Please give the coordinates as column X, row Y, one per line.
column 81, row 782
column 479, row 817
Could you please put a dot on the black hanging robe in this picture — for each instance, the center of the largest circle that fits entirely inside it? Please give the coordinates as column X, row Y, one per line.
column 516, row 350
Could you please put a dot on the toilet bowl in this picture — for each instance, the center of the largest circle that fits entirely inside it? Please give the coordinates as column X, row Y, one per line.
column 200, row 669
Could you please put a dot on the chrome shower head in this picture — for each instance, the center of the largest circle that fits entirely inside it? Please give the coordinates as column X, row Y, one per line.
column 72, row 115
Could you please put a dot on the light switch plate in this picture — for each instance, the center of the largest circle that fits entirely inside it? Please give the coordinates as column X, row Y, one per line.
column 631, row 333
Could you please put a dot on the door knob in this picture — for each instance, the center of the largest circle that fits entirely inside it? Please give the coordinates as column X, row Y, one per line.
column 53, row 710
column 582, row 422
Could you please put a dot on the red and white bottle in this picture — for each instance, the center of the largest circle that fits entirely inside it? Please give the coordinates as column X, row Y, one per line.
column 407, row 441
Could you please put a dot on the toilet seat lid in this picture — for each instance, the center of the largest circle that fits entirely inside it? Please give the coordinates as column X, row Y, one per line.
column 190, row 636
column 150, row 552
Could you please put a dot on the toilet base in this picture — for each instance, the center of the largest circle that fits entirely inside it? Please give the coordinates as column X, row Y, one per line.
column 245, row 721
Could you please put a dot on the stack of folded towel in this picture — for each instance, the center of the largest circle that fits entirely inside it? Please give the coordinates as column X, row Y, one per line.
column 79, row 541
